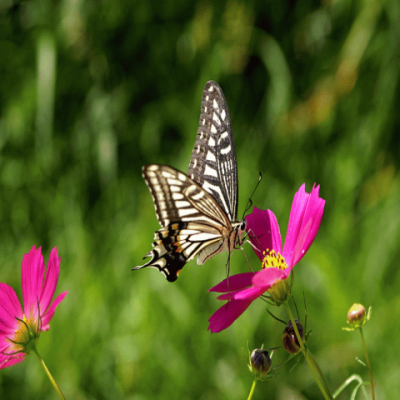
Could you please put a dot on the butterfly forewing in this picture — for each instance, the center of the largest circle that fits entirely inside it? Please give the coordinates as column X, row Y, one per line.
column 178, row 198
column 213, row 161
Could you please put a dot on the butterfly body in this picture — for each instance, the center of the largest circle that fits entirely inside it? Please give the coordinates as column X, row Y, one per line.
column 197, row 212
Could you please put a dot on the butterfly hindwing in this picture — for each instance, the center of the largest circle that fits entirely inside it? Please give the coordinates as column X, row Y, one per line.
column 190, row 217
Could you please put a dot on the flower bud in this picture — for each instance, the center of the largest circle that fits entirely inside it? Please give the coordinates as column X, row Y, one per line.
column 356, row 313
column 357, row 316
column 290, row 342
column 260, row 363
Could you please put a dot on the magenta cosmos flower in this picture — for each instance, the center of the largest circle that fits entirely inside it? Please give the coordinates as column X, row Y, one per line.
column 263, row 229
column 20, row 329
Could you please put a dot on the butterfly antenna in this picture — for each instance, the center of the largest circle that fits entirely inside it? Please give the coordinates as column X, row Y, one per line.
column 250, row 203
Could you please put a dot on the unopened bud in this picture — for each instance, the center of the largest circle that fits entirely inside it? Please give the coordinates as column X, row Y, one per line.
column 260, row 363
column 356, row 313
column 289, row 338
column 357, row 316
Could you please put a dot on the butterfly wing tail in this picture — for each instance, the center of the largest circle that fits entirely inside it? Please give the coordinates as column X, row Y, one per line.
column 169, row 253
column 178, row 243
column 169, row 263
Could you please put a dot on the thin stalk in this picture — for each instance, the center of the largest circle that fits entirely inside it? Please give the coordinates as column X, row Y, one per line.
column 312, row 364
column 368, row 365
column 321, row 375
column 48, row 374
column 252, row 389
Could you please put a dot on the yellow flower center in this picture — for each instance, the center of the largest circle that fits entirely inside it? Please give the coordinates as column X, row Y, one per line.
column 281, row 289
column 25, row 336
column 273, row 260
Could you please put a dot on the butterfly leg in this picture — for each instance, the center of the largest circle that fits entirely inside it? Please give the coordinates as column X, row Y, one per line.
column 228, row 266
column 241, row 248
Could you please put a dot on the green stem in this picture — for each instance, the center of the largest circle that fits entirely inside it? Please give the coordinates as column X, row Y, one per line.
column 312, row 364
column 252, row 389
column 321, row 375
column 48, row 374
column 368, row 365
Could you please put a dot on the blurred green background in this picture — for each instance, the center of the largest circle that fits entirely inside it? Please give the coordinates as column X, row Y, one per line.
column 91, row 91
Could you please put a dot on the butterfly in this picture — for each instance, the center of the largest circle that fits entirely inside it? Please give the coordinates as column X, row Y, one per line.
column 197, row 212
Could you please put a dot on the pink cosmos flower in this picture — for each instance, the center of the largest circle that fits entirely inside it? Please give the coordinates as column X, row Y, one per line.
column 20, row 329
column 242, row 289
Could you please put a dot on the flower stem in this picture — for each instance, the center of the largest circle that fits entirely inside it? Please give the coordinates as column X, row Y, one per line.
column 368, row 365
column 252, row 389
column 311, row 362
column 49, row 374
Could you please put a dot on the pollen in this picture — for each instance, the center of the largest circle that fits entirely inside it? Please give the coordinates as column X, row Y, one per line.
column 273, row 260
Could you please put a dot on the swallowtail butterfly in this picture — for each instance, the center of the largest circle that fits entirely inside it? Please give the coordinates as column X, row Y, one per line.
column 197, row 212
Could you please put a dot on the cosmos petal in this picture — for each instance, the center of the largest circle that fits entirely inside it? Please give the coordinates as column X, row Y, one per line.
column 265, row 278
column 305, row 219
column 51, row 279
column 32, row 273
column 264, row 231
column 8, row 361
column 228, row 313
column 249, row 292
column 50, row 312
column 10, row 307
column 234, row 282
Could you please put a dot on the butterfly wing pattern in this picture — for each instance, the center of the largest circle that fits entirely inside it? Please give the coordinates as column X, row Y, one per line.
column 197, row 213
column 213, row 162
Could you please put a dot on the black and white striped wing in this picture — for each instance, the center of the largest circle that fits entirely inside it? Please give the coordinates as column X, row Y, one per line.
column 191, row 221
column 213, row 162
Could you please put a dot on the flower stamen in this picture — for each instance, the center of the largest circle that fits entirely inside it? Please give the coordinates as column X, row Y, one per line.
column 273, row 260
